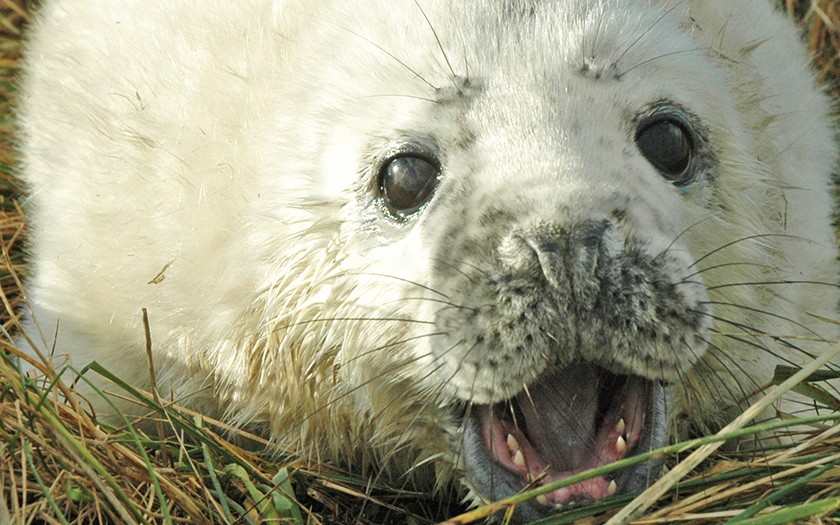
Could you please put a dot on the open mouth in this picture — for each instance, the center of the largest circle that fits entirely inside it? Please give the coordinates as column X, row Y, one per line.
column 573, row 420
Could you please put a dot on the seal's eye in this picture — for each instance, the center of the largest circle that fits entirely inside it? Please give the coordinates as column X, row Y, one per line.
column 667, row 143
column 407, row 182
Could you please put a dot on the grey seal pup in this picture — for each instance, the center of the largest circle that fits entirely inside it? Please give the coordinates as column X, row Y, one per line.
column 487, row 241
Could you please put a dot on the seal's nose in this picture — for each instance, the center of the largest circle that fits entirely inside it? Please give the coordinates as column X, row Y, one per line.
column 567, row 256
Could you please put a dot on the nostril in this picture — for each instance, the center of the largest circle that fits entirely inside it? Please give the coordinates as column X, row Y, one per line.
column 534, row 251
column 516, row 254
column 590, row 250
column 567, row 257
column 588, row 244
column 590, row 234
column 551, row 254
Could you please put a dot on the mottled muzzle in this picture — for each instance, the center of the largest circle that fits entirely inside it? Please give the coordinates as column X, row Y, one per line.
column 556, row 294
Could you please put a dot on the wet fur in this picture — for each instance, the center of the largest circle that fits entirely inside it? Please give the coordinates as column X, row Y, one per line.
column 213, row 165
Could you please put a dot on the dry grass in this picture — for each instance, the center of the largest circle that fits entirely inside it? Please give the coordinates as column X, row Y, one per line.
column 822, row 23
column 59, row 465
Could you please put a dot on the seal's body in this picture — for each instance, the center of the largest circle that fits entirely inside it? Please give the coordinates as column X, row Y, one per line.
column 506, row 236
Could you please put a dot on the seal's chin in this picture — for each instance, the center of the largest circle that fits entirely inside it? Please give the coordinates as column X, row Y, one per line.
column 573, row 420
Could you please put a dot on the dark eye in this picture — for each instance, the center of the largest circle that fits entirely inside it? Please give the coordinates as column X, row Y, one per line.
column 667, row 143
column 407, row 182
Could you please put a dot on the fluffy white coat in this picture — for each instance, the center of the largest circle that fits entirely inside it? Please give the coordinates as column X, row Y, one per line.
column 208, row 161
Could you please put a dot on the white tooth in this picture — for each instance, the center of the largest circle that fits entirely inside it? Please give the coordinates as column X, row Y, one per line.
column 519, row 459
column 542, row 499
column 620, row 444
column 512, row 443
column 619, row 427
column 612, row 488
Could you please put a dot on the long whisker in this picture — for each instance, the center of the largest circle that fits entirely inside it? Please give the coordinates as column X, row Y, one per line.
column 753, row 344
column 447, row 305
column 725, row 265
column 740, row 399
column 768, row 314
column 648, row 30
column 368, row 353
column 400, row 320
column 401, row 280
column 772, row 283
column 395, row 95
column 680, row 235
column 449, row 264
column 744, row 239
column 660, row 57
column 391, row 55
column 437, row 38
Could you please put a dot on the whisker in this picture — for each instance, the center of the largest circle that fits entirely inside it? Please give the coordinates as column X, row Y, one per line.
column 460, row 271
column 772, row 283
column 306, row 322
column 437, row 39
column 468, row 414
column 659, row 57
column 680, row 372
column 743, row 239
column 388, row 53
column 679, row 236
column 713, row 381
column 768, row 314
column 719, row 354
column 599, row 30
column 433, row 396
column 786, row 342
column 726, row 265
column 395, row 95
column 399, row 279
column 753, row 344
column 368, row 353
column 648, row 30
column 447, row 304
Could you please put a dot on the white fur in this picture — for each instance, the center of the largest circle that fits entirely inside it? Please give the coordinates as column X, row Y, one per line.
column 226, row 143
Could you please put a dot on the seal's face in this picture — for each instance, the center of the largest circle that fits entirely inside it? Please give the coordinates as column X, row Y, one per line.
column 563, row 307
column 550, row 200
column 571, row 295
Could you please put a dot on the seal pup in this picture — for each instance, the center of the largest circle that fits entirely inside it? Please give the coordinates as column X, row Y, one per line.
column 485, row 240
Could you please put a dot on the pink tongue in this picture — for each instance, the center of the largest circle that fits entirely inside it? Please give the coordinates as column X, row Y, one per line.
column 560, row 416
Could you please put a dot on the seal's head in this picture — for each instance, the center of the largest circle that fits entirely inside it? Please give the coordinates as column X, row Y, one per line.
column 539, row 201
column 553, row 232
